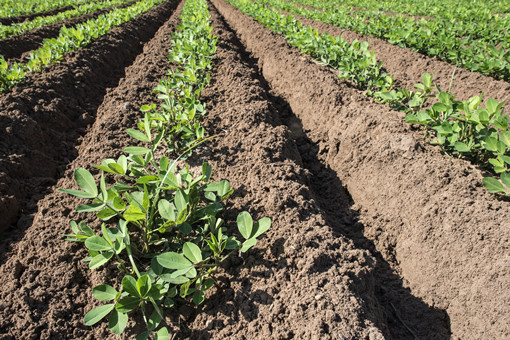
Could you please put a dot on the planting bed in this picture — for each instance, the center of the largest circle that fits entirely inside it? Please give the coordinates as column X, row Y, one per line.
column 375, row 234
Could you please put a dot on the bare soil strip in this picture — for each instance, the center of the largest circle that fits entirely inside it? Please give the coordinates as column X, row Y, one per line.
column 45, row 287
column 43, row 118
column 422, row 210
column 408, row 66
column 15, row 46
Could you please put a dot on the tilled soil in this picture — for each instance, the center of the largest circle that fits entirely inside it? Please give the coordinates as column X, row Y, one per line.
column 430, row 213
column 375, row 234
column 16, row 46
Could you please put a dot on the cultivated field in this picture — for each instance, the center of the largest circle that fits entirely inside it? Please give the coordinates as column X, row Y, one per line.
column 389, row 201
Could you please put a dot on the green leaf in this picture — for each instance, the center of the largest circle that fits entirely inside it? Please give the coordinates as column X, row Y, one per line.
column 96, row 314
column 143, row 285
column 493, row 185
column 145, row 108
column 97, row 243
column 100, row 259
column 462, row 147
column 133, row 213
column 143, row 336
column 77, row 193
column 248, row 244
column 173, row 260
column 505, row 177
column 180, row 201
column 89, row 207
column 147, row 179
column 206, row 171
column 127, row 304
column 504, row 136
column 169, row 302
column 104, row 292
column 136, row 150
column 118, row 322
column 192, row 252
column 207, row 284
column 137, row 135
column 118, row 203
column 166, row 210
column 492, row 105
column 198, row 297
column 129, row 284
column 85, row 180
column 491, row 144
column 162, row 334
column 245, row 224
column 154, row 320
column 106, row 214
column 117, row 168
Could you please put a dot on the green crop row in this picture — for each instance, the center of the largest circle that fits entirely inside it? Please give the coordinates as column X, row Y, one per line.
column 450, row 9
column 160, row 225
column 493, row 29
column 435, row 38
column 462, row 129
column 20, row 28
column 11, row 8
column 70, row 39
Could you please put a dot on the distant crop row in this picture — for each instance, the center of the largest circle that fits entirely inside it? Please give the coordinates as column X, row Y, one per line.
column 11, row 8
column 472, row 46
column 462, row 129
column 70, row 39
column 449, row 9
column 25, row 26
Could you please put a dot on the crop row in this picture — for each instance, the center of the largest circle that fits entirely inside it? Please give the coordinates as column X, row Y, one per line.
column 435, row 38
column 20, row 28
column 69, row 39
column 462, row 129
column 11, row 8
column 163, row 231
column 449, row 9
column 492, row 29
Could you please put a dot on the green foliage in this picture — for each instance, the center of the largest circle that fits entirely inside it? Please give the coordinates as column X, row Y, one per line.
column 70, row 39
column 354, row 61
column 11, row 8
column 460, row 128
column 161, row 223
column 475, row 40
column 25, row 26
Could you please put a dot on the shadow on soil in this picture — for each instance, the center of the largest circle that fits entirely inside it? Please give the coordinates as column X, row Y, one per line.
column 407, row 316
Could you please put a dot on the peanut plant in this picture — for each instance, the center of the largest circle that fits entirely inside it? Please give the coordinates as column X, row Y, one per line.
column 160, row 223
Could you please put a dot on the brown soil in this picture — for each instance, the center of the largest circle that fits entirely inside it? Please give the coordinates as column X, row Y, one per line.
column 375, row 233
column 16, row 46
column 427, row 215
column 408, row 66
column 21, row 18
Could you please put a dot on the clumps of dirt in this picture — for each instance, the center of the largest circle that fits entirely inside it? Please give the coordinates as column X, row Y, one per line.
column 427, row 215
